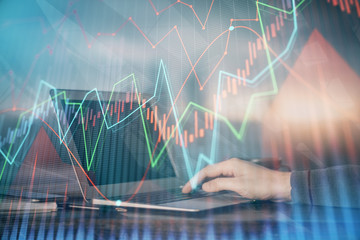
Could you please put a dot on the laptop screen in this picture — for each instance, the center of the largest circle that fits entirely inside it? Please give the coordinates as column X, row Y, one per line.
column 114, row 140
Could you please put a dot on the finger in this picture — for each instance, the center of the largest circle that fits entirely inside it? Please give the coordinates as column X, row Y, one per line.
column 188, row 186
column 208, row 171
column 220, row 184
column 211, row 171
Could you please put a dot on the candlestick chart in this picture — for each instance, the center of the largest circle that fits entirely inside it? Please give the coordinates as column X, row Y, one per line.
column 189, row 73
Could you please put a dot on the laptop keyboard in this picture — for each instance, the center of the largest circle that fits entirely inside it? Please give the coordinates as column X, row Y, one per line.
column 166, row 196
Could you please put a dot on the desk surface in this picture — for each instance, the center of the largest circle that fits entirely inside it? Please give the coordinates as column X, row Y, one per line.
column 254, row 220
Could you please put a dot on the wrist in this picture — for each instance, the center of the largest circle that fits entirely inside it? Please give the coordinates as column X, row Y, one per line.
column 283, row 189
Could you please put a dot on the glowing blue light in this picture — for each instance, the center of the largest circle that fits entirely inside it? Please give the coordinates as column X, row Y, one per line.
column 231, row 28
column 118, row 203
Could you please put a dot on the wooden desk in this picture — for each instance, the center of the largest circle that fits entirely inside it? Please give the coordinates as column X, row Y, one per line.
column 258, row 220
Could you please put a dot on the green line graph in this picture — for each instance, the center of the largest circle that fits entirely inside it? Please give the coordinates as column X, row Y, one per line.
column 180, row 121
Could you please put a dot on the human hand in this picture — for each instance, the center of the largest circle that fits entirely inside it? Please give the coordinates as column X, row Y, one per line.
column 247, row 179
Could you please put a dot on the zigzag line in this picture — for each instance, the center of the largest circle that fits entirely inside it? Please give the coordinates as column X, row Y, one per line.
column 201, row 157
column 210, row 160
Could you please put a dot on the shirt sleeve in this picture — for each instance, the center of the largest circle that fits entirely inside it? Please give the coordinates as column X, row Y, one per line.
column 335, row 186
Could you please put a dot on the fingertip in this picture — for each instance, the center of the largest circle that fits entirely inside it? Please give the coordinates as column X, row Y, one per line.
column 186, row 188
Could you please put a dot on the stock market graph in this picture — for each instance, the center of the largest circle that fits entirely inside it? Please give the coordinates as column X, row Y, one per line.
column 126, row 91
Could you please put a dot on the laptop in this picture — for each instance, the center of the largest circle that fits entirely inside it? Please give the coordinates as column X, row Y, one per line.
column 118, row 156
